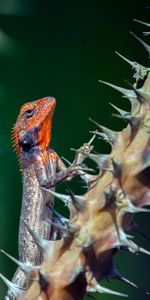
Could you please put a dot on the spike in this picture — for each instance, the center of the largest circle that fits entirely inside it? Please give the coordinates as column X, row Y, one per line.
column 65, row 198
column 66, row 160
column 27, row 268
column 100, row 159
column 134, row 209
column 77, row 201
column 126, row 205
column 68, row 230
column 100, row 289
column 139, row 95
column 145, row 33
column 140, row 71
column 101, row 135
column 58, row 225
column 115, row 274
column 133, row 64
column 146, row 46
column 92, row 139
column 62, row 219
column 124, row 279
column 40, row 242
column 13, row 287
column 127, row 93
column 112, row 135
column 137, row 249
column 121, row 111
column 141, row 22
column 131, row 246
column 133, row 121
column 88, row 178
column 115, row 168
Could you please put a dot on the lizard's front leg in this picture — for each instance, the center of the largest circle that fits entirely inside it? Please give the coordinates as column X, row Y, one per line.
column 62, row 172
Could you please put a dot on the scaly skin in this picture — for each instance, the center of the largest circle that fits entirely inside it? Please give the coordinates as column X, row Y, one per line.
column 39, row 163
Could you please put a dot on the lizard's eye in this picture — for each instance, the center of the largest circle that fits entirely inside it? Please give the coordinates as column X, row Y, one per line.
column 29, row 113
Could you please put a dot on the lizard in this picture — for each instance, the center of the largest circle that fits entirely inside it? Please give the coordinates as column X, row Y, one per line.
column 41, row 167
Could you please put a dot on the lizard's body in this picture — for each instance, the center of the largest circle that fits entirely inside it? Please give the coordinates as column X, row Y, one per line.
column 39, row 164
column 41, row 167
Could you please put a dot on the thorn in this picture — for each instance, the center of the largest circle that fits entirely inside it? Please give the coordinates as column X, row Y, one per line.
column 116, row 168
column 100, row 289
column 100, row 159
column 115, row 274
column 131, row 246
column 65, row 198
column 140, row 71
column 124, row 115
column 138, row 93
column 27, row 268
column 66, row 160
column 88, row 178
column 77, row 201
column 146, row 46
column 92, row 139
column 39, row 241
column 139, row 249
column 121, row 111
column 58, row 225
column 112, row 135
column 146, row 33
column 13, row 287
column 141, row 22
column 126, row 206
column 124, row 279
column 127, row 93
column 135, row 209
column 101, row 135
column 133, row 121
column 133, row 64
column 61, row 218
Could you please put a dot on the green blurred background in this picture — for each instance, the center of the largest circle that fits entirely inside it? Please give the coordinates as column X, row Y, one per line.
column 61, row 48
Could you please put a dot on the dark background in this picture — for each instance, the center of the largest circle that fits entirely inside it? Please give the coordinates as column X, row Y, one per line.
column 61, row 49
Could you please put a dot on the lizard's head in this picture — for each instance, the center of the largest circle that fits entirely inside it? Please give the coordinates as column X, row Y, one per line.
column 33, row 125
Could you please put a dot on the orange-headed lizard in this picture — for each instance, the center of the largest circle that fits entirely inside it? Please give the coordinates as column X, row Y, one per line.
column 40, row 166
